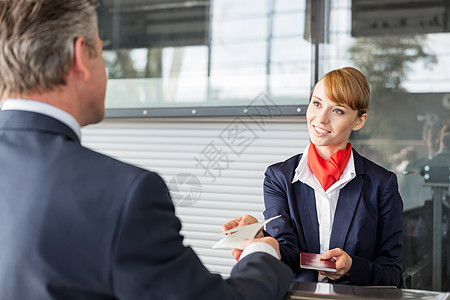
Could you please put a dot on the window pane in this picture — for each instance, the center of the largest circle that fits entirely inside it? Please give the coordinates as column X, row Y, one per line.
column 403, row 49
column 182, row 53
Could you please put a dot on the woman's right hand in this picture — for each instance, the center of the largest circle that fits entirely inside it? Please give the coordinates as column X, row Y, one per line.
column 242, row 221
column 238, row 222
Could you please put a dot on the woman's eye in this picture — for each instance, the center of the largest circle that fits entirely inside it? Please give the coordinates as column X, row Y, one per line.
column 316, row 103
column 339, row 111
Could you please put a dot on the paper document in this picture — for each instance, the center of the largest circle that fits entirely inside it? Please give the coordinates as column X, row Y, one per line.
column 236, row 235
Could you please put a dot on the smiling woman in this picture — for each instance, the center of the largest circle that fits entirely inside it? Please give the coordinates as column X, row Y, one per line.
column 319, row 204
column 338, row 106
column 332, row 200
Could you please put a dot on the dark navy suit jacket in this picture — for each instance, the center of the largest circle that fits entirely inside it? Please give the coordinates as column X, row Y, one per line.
column 367, row 223
column 76, row 224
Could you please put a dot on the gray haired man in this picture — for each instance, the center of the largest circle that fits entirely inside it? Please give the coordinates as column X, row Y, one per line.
column 76, row 224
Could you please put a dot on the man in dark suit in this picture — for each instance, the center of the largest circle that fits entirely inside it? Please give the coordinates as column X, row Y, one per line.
column 76, row 224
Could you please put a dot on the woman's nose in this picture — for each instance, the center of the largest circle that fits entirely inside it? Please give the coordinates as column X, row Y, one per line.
column 322, row 116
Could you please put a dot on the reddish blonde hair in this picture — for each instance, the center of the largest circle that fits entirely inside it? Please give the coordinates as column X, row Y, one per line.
column 348, row 87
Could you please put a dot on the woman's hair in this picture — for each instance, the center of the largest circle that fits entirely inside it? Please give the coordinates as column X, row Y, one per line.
column 37, row 42
column 349, row 87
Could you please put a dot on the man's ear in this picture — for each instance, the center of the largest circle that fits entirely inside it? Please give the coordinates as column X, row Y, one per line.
column 360, row 122
column 80, row 59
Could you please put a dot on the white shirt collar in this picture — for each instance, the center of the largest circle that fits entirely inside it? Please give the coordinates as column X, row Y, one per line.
column 45, row 109
column 304, row 174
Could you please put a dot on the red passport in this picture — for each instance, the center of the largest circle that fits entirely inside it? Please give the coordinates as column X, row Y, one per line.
column 312, row 261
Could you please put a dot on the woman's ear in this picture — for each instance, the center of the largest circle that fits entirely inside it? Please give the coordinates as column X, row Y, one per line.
column 360, row 122
column 80, row 59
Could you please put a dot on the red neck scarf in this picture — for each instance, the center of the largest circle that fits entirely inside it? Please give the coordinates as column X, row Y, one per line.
column 328, row 172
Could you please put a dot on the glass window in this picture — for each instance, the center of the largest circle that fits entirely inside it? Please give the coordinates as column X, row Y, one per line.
column 179, row 53
column 403, row 49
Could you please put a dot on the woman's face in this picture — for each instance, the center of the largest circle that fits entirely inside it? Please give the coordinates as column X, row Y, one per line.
column 329, row 123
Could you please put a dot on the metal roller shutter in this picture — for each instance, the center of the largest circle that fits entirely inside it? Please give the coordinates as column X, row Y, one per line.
column 214, row 167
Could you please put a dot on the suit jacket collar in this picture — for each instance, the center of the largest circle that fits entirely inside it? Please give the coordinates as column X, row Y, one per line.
column 306, row 202
column 349, row 198
column 25, row 120
column 359, row 163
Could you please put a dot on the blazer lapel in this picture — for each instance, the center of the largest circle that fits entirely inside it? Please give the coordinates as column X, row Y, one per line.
column 306, row 202
column 349, row 197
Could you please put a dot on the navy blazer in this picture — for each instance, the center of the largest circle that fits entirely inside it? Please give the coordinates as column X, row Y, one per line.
column 367, row 223
column 77, row 224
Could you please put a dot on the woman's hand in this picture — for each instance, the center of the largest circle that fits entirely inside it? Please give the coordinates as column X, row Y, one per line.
column 242, row 221
column 238, row 222
column 343, row 263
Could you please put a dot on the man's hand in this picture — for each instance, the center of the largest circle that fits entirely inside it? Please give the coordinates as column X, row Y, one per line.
column 343, row 263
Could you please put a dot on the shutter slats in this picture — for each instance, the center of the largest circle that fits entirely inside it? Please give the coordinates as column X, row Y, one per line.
column 174, row 149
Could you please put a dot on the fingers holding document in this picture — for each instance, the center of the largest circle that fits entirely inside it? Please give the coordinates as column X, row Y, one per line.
column 248, row 238
column 242, row 221
column 343, row 263
column 239, row 222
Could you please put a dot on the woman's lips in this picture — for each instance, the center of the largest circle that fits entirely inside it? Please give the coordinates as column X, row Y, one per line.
column 320, row 130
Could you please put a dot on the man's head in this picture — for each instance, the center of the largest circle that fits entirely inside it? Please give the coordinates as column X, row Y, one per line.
column 52, row 48
column 37, row 42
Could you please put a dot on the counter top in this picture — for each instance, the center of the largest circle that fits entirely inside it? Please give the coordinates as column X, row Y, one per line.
column 313, row 290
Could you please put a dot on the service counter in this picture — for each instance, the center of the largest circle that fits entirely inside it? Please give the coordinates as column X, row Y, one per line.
column 313, row 290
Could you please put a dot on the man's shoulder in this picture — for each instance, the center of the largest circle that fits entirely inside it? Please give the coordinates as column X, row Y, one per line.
column 101, row 163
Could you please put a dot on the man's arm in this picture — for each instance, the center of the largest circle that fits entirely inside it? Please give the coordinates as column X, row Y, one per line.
column 150, row 261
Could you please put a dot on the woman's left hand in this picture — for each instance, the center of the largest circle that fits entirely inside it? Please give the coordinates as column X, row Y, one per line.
column 343, row 263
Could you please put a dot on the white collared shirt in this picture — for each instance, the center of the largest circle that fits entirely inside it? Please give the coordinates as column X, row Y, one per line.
column 45, row 109
column 326, row 202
